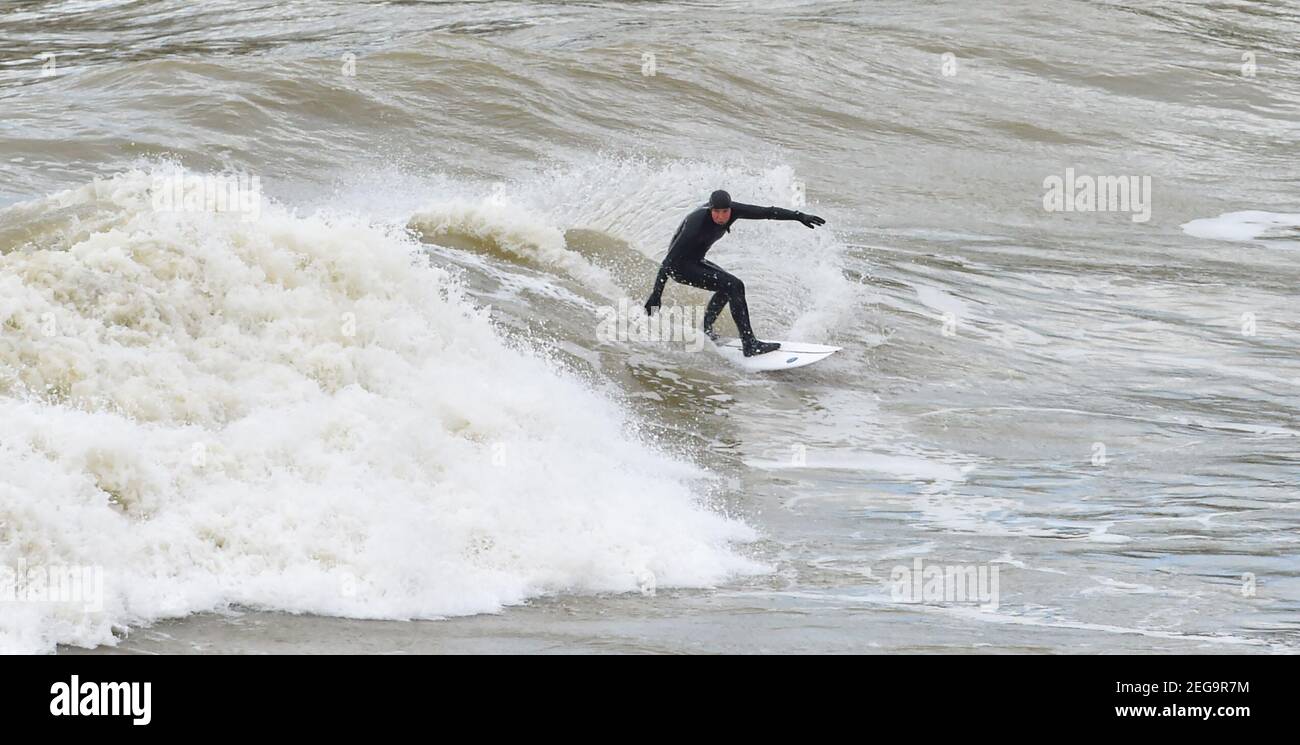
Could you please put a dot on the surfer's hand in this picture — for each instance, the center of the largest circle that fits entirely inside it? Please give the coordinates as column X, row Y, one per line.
column 810, row 221
column 651, row 304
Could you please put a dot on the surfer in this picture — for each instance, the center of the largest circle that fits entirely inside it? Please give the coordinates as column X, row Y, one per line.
column 685, row 262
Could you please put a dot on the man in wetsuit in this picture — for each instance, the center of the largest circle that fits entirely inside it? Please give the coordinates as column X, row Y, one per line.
column 685, row 262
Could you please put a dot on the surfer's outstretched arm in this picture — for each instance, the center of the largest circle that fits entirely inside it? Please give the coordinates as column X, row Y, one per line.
column 741, row 211
column 658, row 291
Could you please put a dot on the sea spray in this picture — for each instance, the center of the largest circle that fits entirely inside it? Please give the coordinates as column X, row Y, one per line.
column 301, row 414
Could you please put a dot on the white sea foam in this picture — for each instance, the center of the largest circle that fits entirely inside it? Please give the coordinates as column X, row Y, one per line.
column 1246, row 225
column 300, row 414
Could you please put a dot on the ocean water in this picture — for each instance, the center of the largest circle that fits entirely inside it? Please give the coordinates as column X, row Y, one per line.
column 372, row 401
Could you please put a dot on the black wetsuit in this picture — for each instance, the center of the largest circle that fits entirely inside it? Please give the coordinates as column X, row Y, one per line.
column 686, row 264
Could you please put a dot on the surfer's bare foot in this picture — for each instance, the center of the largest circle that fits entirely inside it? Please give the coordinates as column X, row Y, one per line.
column 760, row 347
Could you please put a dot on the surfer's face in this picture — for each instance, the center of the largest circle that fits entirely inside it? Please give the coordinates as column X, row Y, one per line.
column 721, row 216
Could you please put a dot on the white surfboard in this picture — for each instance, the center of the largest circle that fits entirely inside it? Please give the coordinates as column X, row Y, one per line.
column 791, row 354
